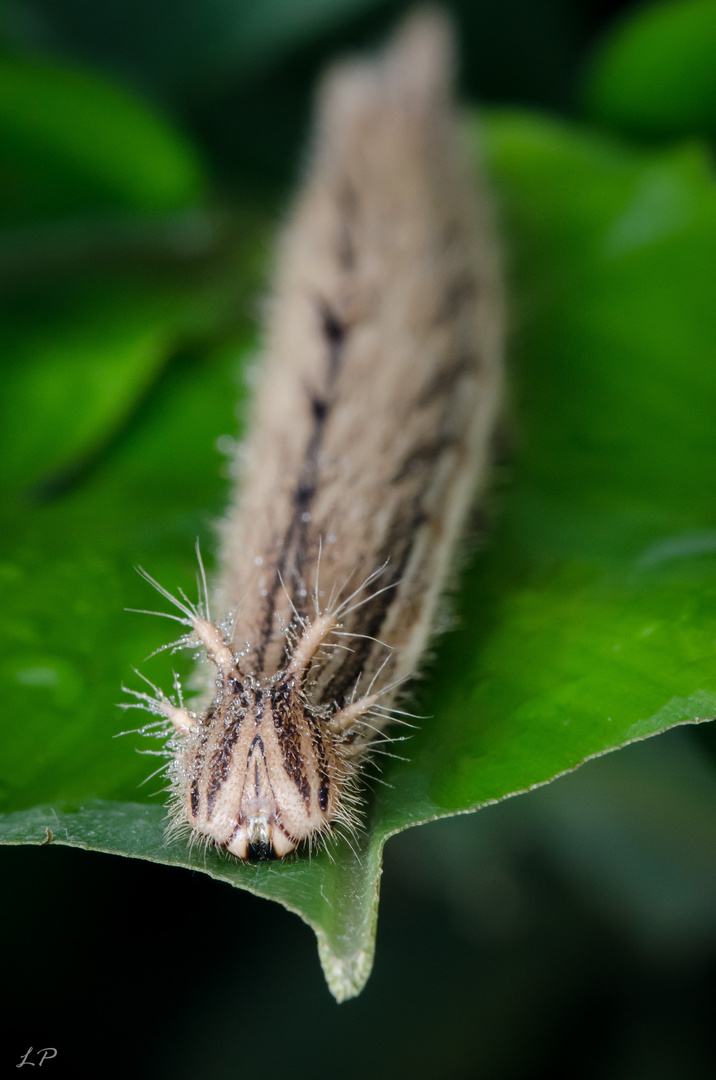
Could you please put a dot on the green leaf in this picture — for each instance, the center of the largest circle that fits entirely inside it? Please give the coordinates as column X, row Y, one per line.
column 72, row 142
column 176, row 47
column 588, row 621
column 79, row 370
column 655, row 75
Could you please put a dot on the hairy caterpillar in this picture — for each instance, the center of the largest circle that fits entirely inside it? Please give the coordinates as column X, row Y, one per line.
column 368, row 440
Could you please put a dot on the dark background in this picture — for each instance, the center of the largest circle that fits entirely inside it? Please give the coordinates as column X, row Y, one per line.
column 556, row 934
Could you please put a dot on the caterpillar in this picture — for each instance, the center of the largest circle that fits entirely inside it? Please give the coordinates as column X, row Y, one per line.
column 368, row 440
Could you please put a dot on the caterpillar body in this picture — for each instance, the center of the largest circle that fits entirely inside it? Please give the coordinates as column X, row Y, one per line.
column 368, row 439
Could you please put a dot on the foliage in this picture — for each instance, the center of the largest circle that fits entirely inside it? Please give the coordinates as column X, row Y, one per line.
column 587, row 620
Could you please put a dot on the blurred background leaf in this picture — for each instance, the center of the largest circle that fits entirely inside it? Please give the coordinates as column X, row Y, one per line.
column 655, row 75
column 72, row 142
column 211, row 42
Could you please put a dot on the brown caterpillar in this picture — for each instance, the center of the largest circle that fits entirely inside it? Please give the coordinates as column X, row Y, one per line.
column 367, row 443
